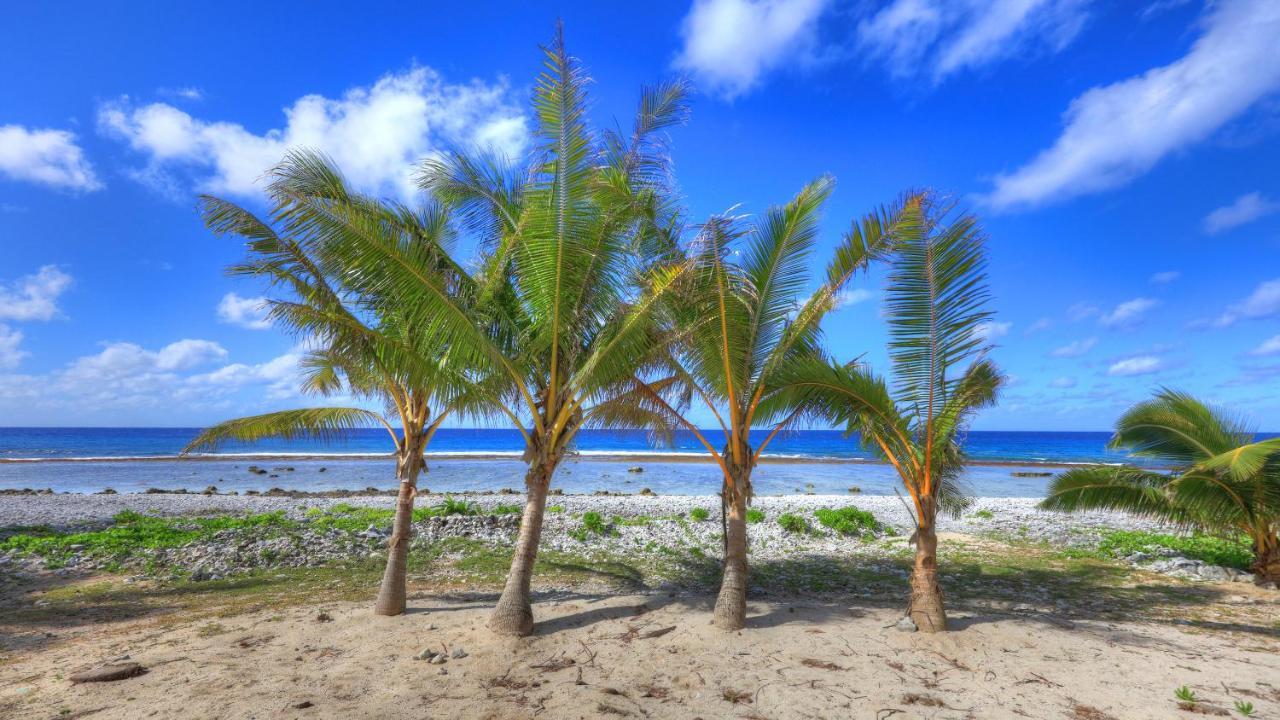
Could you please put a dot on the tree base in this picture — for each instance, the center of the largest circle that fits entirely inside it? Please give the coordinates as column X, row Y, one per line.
column 513, row 618
column 730, row 613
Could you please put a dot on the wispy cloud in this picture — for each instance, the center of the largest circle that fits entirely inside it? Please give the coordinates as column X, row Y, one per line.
column 1263, row 302
column 938, row 38
column 991, row 330
column 1141, row 365
column 45, row 157
column 1271, row 346
column 1063, row 382
column 375, row 134
column 1164, row 278
column 1075, row 348
column 1117, row 132
column 1038, row 326
column 34, row 297
column 729, row 45
column 1246, row 208
column 1128, row 313
column 853, row 296
column 10, row 352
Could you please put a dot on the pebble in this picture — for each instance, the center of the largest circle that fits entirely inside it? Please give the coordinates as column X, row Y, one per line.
column 906, row 624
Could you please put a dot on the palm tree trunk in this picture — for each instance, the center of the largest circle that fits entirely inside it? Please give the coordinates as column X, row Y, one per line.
column 513, row 614
column 392, row 594
column 731, row 605
column 926, row 609
column 1266, row 558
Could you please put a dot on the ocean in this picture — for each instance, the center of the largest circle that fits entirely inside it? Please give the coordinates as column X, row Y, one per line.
column 820, row 461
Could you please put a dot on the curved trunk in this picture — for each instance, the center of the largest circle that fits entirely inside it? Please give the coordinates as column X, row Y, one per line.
column 513, row 614
column 731, row 604
column 392, row 593
column 1266, row 558
column 926, row 609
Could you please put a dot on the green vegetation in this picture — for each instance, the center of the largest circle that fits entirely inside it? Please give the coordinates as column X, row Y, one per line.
column 794, row 524
column 502, row 509
column 1244, row 708
column 555, row 509
column 699, row 514
column 1186, row 696
column 592, row 524
column 755, row 515
column 850, row 521
column 1231, row 552
column 984, row 514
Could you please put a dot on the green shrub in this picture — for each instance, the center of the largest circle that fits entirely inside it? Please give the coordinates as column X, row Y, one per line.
column 794, row 523
column 555, row 509
column 699, row 514
column 755, row 516
column 984, row 514
column 849, row 521
column 501, row 509
column 1233, row 552
column 592, row 524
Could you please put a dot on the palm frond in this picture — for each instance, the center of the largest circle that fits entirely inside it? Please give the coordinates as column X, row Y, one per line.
column 322, row 424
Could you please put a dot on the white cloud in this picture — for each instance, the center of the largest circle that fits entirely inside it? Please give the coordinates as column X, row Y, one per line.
column 1141, row 365
column 246, row 312
column 1247, row 208
column 376, row 135
column 730, row 44
column 1038, row 326
column 47, row 157
column 1063, row 382
column 1268, row 347
column 1128, row 313
column 280, row 375
column 1116, row 132
column 10, row 353
column 33, row 297
column 990, row 330
column 1075, row 349
column 941, row 37
column 1164, row 278
column 852, row 297
column 1263, row 302
column 1082, row 310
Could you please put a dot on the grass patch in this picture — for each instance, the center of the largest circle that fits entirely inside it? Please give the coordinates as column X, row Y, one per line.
column 794, row 523
column 850, row 521
column 555, row 509
column 592, row 524
column 983, row 514
column 699, row 514
column 755, row 516
column 1231, row 552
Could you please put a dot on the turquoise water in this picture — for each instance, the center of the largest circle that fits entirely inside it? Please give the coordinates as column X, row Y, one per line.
column 820, row 461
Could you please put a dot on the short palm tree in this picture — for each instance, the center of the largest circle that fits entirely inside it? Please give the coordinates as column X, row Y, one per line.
column 362, row 345
column 576, row 259
column 736, row 330
column 1223, row 478
column 934, row 302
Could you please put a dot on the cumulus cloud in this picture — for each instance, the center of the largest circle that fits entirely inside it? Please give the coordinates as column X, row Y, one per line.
column 1268, row 347
column 1263, row 302
column 1128, row 313
column 1164, row 278
column 10, row 353
column 1117, row 132
column 33, row 297
column 941, row 37
column 1075, row 348
column 990, row 330
column 730, row 44
column 375, row 134
column 45, row 157
column 246, row 312
column 1141, row 365
column 1246, row 208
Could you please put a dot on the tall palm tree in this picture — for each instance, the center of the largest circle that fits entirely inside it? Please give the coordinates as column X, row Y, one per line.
column 363, row 344
column 576, row 259
column 1223, row 479
column 736, row 330
column 934, row 301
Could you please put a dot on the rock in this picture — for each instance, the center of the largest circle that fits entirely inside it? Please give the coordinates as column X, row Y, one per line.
column 444, row 671
column 211, row 490
column 322, row 469
column 439, row 659
column 109, row 673
column 635, row 469
column 303, row 705
column 425, row 655
column 458, row 653
column 324, row 617
column 855, row 490
column 906, row 624
column 647, row 491
column 1024, row 607
column 107, row 491
column 201, row 574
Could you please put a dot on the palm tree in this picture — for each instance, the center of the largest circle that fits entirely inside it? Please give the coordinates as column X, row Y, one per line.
column 1223, row 479
column 577, row 259
column 736, row 330
column 363, row 345
column 935, row 298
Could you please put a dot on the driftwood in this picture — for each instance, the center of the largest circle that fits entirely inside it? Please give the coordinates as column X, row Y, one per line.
column 109, row 673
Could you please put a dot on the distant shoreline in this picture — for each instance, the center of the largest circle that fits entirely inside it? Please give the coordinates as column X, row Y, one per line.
column 591, row 456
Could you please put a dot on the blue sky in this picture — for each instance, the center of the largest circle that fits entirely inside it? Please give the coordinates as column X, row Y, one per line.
column 1122, row 157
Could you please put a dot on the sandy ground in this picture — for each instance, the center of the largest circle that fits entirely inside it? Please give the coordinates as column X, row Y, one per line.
column 651, row 656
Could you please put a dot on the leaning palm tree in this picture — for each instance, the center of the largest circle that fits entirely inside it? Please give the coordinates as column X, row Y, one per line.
column 363, row 345
column 736, row 330
column 934, row 302
column 575, row 260
column 1223, row 479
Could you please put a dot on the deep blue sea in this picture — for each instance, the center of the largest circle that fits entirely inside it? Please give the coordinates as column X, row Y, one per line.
column 822, row 461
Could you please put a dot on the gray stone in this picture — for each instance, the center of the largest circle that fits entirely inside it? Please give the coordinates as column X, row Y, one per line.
column 906, row 624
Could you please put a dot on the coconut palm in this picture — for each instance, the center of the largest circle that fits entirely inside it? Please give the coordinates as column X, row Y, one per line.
column 1223, row 479
column 934, row 302
column 576, row 259
column 363, row 345
column 736, row 330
